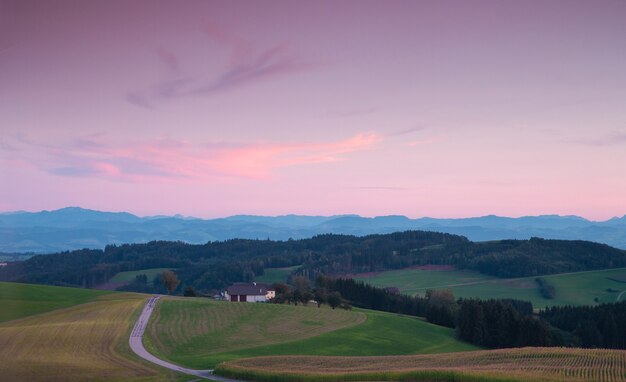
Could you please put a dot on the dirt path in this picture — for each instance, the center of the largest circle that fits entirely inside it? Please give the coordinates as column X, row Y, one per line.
column 619, row 296
column 136, row 344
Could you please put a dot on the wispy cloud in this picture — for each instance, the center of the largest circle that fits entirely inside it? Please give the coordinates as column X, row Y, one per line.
column 353, row 112
column 407, row 131
column 612, row 139
column 174, row 160
column 246, row 64
column 383, row 188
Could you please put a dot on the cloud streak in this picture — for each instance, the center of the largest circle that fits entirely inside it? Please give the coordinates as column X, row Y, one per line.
column 407, row 131
column 613, row 139
column 247, row 64
column 176, row 160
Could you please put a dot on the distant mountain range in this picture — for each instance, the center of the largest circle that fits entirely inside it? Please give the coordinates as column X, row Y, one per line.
column 76, row 228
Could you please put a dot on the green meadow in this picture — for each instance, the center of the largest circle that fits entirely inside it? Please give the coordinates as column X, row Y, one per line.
column 580, row 288
column 250, row 330
column 22, row 300
column 275, row 275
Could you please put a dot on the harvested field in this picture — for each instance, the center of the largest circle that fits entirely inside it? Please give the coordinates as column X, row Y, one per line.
column 83, row 342
column 525, row 364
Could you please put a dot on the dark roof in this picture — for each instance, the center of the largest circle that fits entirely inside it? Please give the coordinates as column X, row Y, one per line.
column 249, row 289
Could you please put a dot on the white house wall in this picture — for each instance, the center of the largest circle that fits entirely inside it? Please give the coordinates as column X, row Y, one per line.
column 256, row 299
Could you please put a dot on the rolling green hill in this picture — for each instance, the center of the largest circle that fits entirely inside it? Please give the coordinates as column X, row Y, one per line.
column 22, row 300
column 200, row 334
column 579, row 288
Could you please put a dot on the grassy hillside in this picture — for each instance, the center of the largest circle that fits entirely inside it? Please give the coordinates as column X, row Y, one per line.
column 580, row 288
column 275, row 275
column 201, row 334
column 22, row 300
column 526, row 364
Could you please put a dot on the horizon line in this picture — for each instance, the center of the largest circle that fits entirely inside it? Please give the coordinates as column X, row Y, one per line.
column 180, row 215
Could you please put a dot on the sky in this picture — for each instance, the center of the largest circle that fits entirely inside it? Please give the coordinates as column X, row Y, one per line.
column 216, row 108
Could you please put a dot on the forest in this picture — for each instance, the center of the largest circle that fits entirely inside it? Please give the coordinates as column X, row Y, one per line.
column 215, row 265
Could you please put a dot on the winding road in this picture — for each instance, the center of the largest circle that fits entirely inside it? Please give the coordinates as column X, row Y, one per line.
column 136, row 344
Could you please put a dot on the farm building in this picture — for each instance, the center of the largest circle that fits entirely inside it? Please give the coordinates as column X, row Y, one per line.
column 249, row 292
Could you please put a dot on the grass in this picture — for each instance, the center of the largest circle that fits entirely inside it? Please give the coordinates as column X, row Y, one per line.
column 22, row 300
column 275, row 275
column 525, row 364
column 201, row 334
column 129, row 276
column 580, row 288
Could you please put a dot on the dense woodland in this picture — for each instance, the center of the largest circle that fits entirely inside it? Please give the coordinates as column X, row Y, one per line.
column 217, row 264
column 602, row 326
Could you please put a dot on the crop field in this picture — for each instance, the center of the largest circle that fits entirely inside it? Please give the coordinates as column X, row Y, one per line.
column 200, row 334
column 275, row 275
column 580, row 288
column 525, row 364
column 69, row 334
column 73, row 344
column 129, row 276
column 22, row 300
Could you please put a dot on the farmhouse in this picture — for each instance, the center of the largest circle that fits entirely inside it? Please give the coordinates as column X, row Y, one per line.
column 249, row 292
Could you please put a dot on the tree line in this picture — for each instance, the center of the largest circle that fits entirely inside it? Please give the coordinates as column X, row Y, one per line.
column 215, row 265
column 601, row 326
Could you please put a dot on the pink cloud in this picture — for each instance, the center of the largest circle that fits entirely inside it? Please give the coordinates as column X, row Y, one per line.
column 247, row 63
column 174, row 160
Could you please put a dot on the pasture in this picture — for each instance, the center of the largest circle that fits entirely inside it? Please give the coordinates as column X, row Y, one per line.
column 580, row 288
column 200, row 334
column 275, row 275
column 522, row 364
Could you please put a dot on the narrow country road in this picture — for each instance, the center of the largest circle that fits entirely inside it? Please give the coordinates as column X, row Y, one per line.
column 136, row 345
column 620, row 295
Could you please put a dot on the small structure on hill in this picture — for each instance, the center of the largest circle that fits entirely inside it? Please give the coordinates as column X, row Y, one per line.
column 249, row 292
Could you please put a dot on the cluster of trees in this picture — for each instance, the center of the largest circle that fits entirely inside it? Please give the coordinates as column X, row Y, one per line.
column 166, row 282
column 217, row 264
column 366, row 296
column 300, row 291
column 602, row 326
column 501, row 324
column 547, row 289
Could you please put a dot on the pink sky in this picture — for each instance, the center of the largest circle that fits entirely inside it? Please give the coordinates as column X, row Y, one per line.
column 215, row 108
